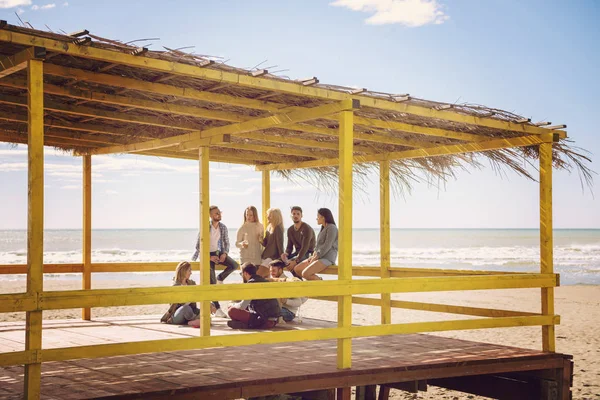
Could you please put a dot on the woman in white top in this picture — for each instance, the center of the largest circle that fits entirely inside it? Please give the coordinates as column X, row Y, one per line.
column 249, row 237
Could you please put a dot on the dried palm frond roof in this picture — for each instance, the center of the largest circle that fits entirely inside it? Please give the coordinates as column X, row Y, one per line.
column 103, row 96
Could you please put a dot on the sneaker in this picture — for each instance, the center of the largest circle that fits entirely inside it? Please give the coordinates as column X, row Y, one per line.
column 219, row 282
column 220, row 313
column 236, row 324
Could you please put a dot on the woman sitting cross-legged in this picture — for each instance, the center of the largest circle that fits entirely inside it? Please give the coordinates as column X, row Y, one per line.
column 186, row 313
column 261, row 313
column 326, row 250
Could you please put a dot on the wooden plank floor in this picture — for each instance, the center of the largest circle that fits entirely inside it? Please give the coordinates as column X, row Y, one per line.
column 249, row 370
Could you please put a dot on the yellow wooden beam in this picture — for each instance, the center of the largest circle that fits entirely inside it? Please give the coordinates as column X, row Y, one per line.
column 35, row 221
column 266, row 196
column 278, row 120
column 204, row 257
column 162, row 143
column 546, row 241
column 495, row 144
column 11, row 64
column 273, row 149
column 86, row 280
column 384, row 236
column 264, row 83
column 103, row 114
column 346, row 140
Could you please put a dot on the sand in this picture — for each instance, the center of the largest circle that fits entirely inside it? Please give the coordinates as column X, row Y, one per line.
column 578, row 334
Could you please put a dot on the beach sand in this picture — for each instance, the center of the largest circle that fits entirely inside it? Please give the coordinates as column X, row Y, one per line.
column 578, row 334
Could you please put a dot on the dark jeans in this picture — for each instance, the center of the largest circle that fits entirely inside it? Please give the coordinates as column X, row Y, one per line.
column 287, row 314
column 298, row 259
column 230, row 266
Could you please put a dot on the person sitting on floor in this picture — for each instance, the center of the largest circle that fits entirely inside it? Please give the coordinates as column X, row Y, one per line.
column 289, row 306
column 261, row 313
column 183, row 313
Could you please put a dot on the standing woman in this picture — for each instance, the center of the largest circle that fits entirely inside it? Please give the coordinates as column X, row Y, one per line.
column 186, row 313
column 249, row 237
column 272, row 242
column 326, row 250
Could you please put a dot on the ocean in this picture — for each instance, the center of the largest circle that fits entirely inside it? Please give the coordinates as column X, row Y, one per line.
column 576, row 252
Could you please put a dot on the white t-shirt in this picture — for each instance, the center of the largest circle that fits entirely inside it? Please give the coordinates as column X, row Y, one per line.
column 215, row 236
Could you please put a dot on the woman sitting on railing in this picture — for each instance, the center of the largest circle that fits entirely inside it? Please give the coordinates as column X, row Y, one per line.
column 183, row 313
column 326, row 250
column 273, row 241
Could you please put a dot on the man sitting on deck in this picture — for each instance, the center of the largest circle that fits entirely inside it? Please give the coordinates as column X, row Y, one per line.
column 261, row 313
column 219, row 249
column 289, row 306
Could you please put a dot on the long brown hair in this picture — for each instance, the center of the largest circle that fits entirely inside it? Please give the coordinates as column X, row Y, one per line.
column 253, row 209
column 180, row 272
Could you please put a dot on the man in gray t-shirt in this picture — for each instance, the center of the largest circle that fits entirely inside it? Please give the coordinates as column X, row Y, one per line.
column 300, row 240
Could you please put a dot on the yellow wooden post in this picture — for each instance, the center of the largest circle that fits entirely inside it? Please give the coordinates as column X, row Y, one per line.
column 546, row 242
column 203, row 155
column 35, row 221
column 86, row 313
column 344, row 346
column 384, row 222
column 266, row 195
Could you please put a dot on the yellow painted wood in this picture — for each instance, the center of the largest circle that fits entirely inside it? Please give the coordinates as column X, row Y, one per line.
column 384, row 236
column 11, row 64
column 419, row 130
column 14, row 302
column 495, row 144
column 160, row 143
column 433, row 307
column 35, row 220
column 346, row 140
column 291, row 151
column 51, row 300
column 266, row 196
column 87, row 231
column 10, row 269
column 18, row 358
column 265, row 83
column 546, row 241
column 204, row 257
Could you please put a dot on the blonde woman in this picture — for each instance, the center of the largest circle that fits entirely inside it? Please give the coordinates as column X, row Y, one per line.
column 186, row 313
column 273, row 241
column 249, row 237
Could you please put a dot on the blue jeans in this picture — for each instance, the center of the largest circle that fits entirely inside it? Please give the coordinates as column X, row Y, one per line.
column 287, row 315
column 184, row 314
column 230, row 266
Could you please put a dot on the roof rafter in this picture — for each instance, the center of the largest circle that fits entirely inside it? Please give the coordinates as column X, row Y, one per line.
column 11, row 64
column 497, row 144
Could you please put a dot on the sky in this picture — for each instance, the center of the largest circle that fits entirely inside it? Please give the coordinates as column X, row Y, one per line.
column 536, row 58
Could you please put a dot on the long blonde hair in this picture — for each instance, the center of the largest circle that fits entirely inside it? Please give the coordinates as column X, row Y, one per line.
column 276, row 219
column 180, row 271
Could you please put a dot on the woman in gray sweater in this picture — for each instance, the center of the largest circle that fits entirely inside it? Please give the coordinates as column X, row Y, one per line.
column 326, row 250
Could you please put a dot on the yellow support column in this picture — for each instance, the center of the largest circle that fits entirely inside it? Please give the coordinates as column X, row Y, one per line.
column 86, row 284
column 203, row 155
column 344, row 346
column 384, row 221
column 35, row 222
column 266, row 195
column 546, row 242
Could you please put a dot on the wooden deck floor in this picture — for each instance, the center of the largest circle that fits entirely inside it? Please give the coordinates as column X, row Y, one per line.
column 251, row 370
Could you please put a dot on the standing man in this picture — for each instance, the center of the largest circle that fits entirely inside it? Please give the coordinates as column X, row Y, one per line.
column 219, row 249
column 301, row 240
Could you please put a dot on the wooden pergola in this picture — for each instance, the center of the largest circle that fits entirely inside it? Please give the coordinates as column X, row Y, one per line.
column 92, row 96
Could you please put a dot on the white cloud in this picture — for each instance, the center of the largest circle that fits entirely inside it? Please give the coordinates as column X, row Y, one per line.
column 112, row 192
column 411, row 13
column 35, row 7
column 231, row 192
column 14, row 3
column 20, row 11
column 12, row 167
column 287, row 189
column 112, row 163
column 252, row 180
column 48, row 6
column 71, row 187
column 13, row 152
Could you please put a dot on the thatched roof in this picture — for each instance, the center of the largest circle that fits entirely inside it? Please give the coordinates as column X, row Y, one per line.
column 102, row 93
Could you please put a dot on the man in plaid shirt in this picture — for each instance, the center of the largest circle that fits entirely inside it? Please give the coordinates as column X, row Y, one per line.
column 219, row 249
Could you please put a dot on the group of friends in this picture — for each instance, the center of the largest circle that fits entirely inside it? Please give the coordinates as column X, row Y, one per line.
column 263, row 259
